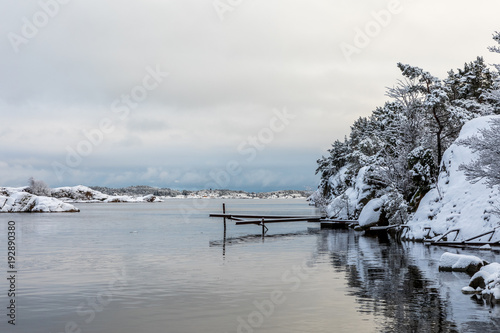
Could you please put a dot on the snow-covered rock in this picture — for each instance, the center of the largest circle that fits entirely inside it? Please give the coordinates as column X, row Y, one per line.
column 353, row 199
column 460, row 263
column 486, row 282
column 370, row 215
column 82, row 193
column 127, row 198
column 78, row 194
column 455, row 202
column 15, row 200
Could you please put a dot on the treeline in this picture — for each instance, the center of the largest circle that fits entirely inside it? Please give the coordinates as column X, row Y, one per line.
column 140, row 190
column 143, row 190
column 395, row 153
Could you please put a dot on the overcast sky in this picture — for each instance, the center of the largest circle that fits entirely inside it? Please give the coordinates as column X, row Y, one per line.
column 200, row 93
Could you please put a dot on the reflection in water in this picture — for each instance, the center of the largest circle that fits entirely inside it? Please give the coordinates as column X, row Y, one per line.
column 258, row 237
column 393, row 283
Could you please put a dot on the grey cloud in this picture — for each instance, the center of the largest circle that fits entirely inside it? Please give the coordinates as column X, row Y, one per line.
column 226, row 78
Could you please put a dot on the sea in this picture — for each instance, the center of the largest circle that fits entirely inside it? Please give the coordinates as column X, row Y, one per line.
column 169, row 267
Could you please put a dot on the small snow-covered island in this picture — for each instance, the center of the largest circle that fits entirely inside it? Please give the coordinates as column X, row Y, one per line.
column 426, row 166
column 18, row 200
column 39, row 198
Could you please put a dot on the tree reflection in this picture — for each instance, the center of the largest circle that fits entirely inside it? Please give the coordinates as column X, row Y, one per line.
column 386, row 282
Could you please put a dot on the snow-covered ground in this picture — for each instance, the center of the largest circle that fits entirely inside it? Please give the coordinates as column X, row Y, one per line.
column 456, row 203
column 15, row 200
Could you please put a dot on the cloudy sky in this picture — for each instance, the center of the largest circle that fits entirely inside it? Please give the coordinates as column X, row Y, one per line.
column 241, row 94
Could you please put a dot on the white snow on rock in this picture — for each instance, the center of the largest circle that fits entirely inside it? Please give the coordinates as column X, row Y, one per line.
column 345, row 204
column 455, row 202
column 78, row 193
column 489, row 277
column 370, row 215
column 82, row 193
column 15, row 200
column 460, row 262
column 127, row 198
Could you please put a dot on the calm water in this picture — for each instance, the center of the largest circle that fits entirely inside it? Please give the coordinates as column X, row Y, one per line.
column 165, row 267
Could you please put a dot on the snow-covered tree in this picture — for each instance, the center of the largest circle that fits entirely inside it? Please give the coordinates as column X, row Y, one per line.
column 496, row 38
column 329, row 166
column 38, row 187
column 493, row 96
column 470, row 83
column 487, row 166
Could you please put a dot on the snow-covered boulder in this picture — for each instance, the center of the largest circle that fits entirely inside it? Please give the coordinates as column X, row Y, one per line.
column 15, row 200
column 78, row 194
column 150, row 198
column 486, row 282
column 371, row 213
column 460, row 263
column 455, row 203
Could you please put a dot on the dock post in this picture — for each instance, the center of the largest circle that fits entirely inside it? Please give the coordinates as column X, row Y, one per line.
column 224, row 212
column 224, row 242
column 263, row 228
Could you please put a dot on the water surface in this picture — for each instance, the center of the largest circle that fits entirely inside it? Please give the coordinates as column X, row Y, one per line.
column 165, row 267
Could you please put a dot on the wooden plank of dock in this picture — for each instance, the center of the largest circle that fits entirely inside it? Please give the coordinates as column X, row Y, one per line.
column 337, row 224
column 279, row 220
column 256, row 216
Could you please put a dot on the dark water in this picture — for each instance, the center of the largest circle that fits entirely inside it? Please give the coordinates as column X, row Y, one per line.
column 166, row 268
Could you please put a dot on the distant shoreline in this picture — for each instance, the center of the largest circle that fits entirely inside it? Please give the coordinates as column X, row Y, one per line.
column 210, row 193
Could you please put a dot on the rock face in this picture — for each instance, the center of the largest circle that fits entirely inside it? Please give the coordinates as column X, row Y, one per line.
column 15, row 200
column 460, row 263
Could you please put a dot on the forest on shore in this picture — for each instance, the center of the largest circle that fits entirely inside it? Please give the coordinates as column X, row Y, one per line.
column 393, row 157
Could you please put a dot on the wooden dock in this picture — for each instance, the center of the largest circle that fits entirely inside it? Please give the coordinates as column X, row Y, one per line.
column 337, row 224
column 262, row 219
column 268, row 218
